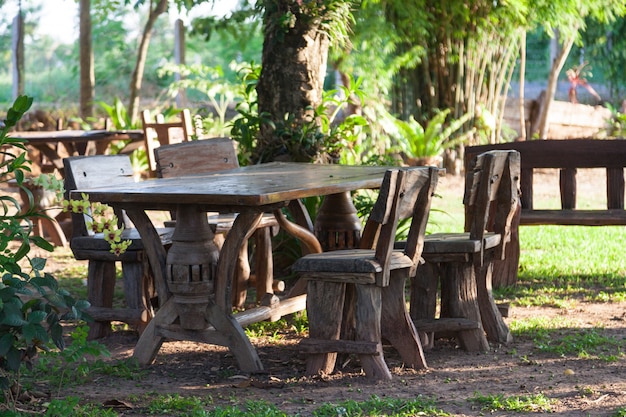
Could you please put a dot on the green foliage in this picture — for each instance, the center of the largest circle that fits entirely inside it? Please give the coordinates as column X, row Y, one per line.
column 245, row 127
column 32, row 306
column 417, row 142
column 321, row 136
column 70, row 407
column 377, row 406
column 620, row 412
column 72, row 361
column 516, row 403
column 212, row 84
column 175, row 405
column 617, row 128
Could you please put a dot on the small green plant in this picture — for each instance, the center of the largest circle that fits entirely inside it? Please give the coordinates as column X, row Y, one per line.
column 176, row 405
column 516, row 403
column 70, row 406
column 426, row 145
column 620, row 412
column 73, row 359
column 377, row 406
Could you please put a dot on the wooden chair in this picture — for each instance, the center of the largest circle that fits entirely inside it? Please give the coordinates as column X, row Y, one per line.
column 462, row 262
column 216, row 154
column 378, row 274
column 160, row 133
column 84, row 172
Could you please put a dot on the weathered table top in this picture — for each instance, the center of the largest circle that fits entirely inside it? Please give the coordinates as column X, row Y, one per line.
column 253, row 186
column 41, row 137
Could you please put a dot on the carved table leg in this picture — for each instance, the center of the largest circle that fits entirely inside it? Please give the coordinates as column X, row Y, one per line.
column 337, row 225
column 191, row 266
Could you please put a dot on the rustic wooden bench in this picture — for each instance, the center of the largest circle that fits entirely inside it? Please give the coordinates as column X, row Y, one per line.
column 567, row 156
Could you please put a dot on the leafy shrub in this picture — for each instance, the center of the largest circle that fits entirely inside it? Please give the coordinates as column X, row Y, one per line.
column 32, row 306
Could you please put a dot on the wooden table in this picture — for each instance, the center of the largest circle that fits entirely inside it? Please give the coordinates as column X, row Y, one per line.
column 58, row 144
column 193, row 284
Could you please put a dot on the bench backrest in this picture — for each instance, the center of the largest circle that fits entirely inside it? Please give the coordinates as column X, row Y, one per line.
column 491, row 195
column 83, row 172
column 196, row 157
column 158, row 132
column 567, row 156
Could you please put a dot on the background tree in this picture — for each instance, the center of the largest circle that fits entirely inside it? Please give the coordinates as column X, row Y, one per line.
column 456, row 55
column 87, row 75
column 297, row 36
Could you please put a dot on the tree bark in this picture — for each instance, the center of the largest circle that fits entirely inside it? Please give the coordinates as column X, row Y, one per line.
column 294, row 64
column 18, row 54
column 522, row 73
column 557, row 66
column 142, row 53
column 87, row 75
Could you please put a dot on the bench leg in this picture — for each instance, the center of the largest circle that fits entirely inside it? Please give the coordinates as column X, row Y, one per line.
column 136, row 279
column 459, row 300
column 263, row 262
column 324, row 309
column 240, row 282
column 100, row 287
column 368, row 315
column 493, row 323
column 399, row 329
column 423, row 299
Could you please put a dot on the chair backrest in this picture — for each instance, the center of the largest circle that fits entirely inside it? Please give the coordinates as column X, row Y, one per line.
column 159, row 133
column 492, row 195
column 82, row 172
column 196, row 157
column 405, row 193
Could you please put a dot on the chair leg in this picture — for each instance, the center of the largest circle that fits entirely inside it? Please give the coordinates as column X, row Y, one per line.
column 423, row 300
column 240, row 283
column 368, row 315
column 493, row 323
column 459, row 299
column 100, row 287
column 398, row 327
column 263, row 262
column 136, row 292
column 324, row 307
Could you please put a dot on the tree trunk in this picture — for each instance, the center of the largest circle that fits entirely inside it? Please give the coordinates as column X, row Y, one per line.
column 18, row 54
column 522, row 73
column 142, row 53
column 557, row 66
column 87, row 75
column 292, row 77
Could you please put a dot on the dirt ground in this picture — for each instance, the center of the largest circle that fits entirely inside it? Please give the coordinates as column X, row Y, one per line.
column 576, row 386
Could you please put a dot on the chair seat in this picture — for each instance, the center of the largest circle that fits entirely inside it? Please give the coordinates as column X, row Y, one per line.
column 223, row 222
column 355, row 261
column 458, row 243
column 96, row 242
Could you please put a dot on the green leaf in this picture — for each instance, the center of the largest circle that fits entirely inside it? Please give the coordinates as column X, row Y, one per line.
column 14, row 359
column 34, row 333
column 6, row 342
column 37, row 317
column 13, row 316
column 56, row 333
column 56, row 300
column 38, row 263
